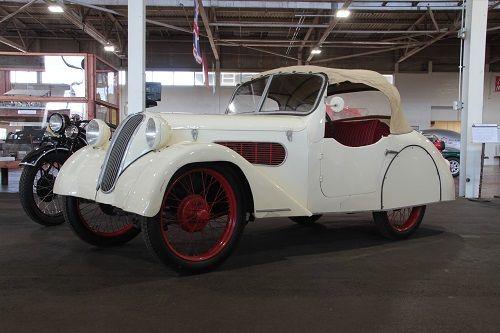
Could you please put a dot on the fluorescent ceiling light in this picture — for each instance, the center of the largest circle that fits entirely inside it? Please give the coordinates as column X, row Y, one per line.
column 55, row 9
column 343, row 13
column 316, row 51
column 109, row 48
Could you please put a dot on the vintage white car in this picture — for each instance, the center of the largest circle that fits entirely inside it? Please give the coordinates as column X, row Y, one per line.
column 294, row 142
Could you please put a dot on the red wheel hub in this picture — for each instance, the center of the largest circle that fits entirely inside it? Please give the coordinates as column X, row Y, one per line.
column 193, row 213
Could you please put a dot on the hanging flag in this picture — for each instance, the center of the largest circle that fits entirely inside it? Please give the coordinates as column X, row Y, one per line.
column 196, row 36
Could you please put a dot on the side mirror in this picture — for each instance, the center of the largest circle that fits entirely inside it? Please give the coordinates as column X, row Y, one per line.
column 336, row 103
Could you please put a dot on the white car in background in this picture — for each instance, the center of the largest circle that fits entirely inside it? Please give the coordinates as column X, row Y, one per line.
column 190, row 183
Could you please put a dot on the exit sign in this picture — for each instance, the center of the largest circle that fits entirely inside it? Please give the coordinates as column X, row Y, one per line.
column 497, row 84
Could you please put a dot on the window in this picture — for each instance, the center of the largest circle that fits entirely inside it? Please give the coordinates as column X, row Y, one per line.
column 183, row 78
column 199, row 78
column 230, row 79
column 187, row 78
column 293, row 93
column 122, row 77
column 165, row 78
column 23, row 77
column 248, row 97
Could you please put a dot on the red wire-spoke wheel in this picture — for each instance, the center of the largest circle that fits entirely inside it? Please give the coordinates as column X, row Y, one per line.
column 100, row 224
column 399, row 223
column 200, row 221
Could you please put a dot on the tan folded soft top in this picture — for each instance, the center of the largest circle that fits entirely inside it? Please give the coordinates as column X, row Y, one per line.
column 398, row 124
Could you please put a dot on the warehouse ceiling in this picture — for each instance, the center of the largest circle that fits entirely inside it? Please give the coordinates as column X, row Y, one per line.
column 409, row 36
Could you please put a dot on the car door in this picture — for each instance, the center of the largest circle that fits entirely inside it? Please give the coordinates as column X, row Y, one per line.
column 347, row 171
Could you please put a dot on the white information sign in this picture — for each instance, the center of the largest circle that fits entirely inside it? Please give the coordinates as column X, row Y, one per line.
column 26, row 111
column 485, row 133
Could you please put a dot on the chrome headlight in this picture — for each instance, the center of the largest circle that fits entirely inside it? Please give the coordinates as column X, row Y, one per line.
column 57, row 122
column 97, row 133
column 71, row 132
column 157, row 133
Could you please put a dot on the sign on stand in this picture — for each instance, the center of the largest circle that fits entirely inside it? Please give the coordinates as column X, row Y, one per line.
column 485, row 133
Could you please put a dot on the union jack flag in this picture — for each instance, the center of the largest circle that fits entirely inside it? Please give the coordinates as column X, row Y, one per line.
column 196, row 36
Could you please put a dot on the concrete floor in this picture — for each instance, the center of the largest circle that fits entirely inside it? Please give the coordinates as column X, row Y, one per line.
column 338, row 275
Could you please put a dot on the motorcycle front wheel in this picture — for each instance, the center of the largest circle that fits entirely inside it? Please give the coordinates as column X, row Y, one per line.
column 36, row 190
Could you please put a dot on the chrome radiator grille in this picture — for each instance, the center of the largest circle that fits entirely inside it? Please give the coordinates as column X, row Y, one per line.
column 116, row 153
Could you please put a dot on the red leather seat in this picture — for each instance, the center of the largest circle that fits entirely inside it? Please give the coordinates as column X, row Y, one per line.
column 356, row 133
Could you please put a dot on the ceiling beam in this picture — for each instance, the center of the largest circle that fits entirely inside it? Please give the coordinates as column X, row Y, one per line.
column 17, row 11
column 431, row 14
column 453, row 28
column 306, row 39
column 12, row 44
column 206, row 23
column 426, row 45
column 328, row 30
column 15, row 20
column 73, row 17
column 355, row 55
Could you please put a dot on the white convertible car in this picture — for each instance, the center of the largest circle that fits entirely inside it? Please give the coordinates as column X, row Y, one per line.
column 295, row 142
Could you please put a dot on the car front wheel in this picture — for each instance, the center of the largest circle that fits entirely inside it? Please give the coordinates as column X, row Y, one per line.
column 99, row 224
column 200, row 221
column 399, row 223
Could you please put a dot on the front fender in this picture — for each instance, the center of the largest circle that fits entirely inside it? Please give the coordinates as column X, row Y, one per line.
column 79, row 174
column 34, row 156
column 141, row 186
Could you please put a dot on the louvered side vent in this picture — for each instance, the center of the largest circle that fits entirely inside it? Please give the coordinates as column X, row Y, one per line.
column 117, row 151
column 265, row 153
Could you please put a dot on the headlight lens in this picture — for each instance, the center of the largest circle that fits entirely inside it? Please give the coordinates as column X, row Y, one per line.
column 97, row 133
column 157, row 133
column 56, row 122
column 71, row 132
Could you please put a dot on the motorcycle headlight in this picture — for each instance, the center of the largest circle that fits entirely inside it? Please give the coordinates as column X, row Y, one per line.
column 157, row 133
column 71, row 132
column 97, row 133
column 56, row 122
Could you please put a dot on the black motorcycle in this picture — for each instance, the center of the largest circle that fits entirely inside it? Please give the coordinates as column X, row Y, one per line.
column 41, row 166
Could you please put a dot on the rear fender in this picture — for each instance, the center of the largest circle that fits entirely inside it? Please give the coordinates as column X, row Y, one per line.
column 141, row 186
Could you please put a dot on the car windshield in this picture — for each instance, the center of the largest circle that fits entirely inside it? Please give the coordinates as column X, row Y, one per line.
column 281, row 93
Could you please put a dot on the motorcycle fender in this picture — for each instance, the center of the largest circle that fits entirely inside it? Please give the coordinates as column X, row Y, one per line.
column 32, row 158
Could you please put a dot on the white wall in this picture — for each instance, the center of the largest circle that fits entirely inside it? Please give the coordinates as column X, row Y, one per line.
column 429, row 97
column 190, row 99
column 425, row 97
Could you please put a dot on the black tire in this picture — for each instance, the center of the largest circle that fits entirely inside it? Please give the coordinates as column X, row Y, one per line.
column 157, row 230
column 27, row 197
column 305, row 220
column 410, row 223
column 89, row 234
column 453, row 169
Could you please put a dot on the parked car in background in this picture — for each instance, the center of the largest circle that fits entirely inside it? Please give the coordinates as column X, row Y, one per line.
column 451, row 150
column 190, row 183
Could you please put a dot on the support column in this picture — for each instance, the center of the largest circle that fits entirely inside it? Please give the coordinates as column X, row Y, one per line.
column 476, row 16
column 136, row 80
column 217, row 83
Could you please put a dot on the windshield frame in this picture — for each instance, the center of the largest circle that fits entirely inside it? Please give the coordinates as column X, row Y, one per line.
column 270, row 77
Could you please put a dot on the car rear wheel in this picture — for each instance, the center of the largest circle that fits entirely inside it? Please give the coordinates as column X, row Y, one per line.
column 454, row 166
column 99, row 224
column 399, row 223
column 305, row 220
column 200, row 221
